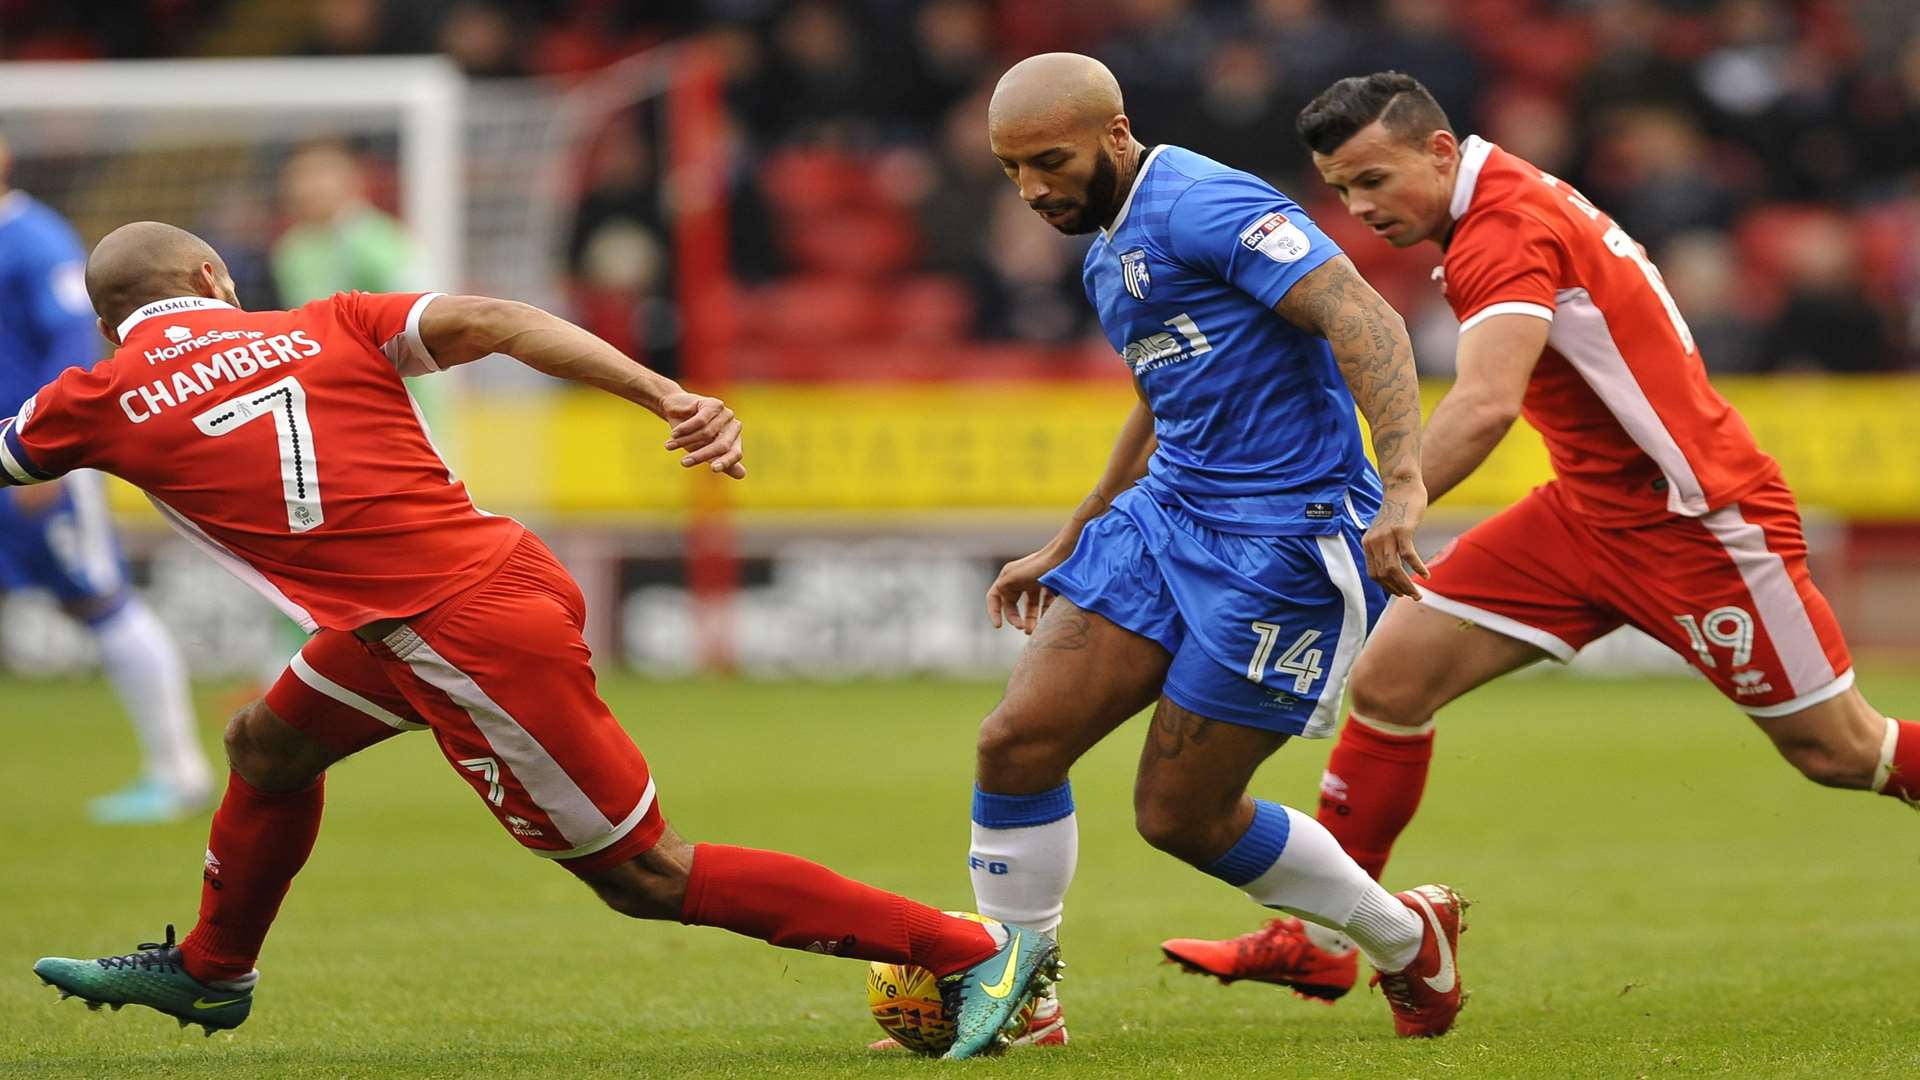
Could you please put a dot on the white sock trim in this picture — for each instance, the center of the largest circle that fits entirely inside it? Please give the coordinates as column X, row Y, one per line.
column 1884, row 771
column 1394, row 731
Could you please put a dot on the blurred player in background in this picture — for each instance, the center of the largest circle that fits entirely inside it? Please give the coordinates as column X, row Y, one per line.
column 286, row 446
column 1214, row 573
column 338, row 241
column 60, row 537
column 1663, row 514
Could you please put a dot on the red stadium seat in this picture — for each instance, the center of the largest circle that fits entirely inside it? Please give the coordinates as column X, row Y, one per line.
column 814, row 310
column 799, row 180
column 931, row 308
column 1765, row 237
column 870, row 242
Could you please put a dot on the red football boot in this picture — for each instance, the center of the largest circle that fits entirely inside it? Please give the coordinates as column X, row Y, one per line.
column 1426, row 995
column 1279, row 952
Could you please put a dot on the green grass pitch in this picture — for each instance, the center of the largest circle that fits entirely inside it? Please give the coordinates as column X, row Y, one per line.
column 1656, row 895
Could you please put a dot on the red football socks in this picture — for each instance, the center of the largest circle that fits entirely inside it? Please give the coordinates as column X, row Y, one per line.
column 796, row 904
column 1901, row 764
column 1371, row 788
column 259, row 840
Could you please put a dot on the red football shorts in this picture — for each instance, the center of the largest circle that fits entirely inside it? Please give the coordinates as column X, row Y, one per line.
column 1729, row 592
column 502, row 677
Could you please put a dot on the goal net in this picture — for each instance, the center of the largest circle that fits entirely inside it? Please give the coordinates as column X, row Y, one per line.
column 474, row 186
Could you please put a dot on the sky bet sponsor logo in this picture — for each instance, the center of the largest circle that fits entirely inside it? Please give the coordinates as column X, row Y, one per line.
column 1277, row 238
column 200, row 376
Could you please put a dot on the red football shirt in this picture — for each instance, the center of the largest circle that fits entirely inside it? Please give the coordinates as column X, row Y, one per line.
column 1634, row 430
column 282, row 442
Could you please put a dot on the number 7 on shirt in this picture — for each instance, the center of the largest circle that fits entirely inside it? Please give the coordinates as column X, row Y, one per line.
column 286, row 402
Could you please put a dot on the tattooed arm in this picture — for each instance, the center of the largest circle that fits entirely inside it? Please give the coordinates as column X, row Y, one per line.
column 1370, row 344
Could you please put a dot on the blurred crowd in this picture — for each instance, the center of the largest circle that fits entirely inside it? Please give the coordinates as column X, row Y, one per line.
column 1767, row 152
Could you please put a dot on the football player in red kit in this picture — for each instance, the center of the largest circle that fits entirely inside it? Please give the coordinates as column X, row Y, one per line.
column 1663, row 513
column 285, row 444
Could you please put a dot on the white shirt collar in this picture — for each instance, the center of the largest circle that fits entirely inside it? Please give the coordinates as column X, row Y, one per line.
column 1473, row 157
column 162, row 307
column 1145, row 164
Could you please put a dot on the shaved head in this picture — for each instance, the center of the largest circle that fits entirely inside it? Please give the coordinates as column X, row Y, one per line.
column 1060, row 91
column 145, row 261
column 1059, row 127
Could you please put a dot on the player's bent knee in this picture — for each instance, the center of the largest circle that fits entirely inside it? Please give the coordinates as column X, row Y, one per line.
column 1174, row 833
column 651, row 885
column 1384, row 697
column 1835, row 743
column 1826, row 765
column 270, row 754
column 1014, row 758
column 1187, row 829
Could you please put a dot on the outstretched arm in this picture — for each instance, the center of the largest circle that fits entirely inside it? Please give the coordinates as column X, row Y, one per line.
column 1495, row 360
column 462, row 329
column 1370, row 344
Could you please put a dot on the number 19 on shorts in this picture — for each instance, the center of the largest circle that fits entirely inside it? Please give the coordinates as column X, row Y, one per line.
column 1301, row 660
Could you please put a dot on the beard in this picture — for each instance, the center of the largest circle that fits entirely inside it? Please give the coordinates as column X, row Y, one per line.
column 1101, row 202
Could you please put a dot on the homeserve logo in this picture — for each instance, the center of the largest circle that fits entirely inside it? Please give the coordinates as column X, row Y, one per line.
column 184, row 341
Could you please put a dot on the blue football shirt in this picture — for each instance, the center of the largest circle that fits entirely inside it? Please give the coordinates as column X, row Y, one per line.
column 1257, row 429
column 46, row 320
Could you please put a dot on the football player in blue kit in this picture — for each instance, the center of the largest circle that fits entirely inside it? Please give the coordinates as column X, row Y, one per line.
column 58, row 536
column 1235, row 553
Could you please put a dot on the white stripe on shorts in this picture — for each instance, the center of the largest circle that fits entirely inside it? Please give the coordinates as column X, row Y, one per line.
column 305, row 673
column 618, row 834
column 1345, row 576
column 580, row 822
column 1507, row 626
column 1776, row 600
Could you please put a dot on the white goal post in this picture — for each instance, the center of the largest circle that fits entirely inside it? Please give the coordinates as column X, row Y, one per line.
column 161, row 102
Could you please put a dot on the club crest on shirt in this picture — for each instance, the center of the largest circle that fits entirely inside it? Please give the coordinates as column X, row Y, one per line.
column 1277, row 238
column 1133, row 273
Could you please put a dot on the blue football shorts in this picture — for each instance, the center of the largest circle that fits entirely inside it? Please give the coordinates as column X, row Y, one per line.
column 70, row 550
column 1263, row 629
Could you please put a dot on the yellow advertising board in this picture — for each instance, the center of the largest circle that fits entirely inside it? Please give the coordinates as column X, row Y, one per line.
column 1848, row 446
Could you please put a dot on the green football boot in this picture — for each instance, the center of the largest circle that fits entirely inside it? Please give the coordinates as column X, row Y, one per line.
column 986, row 1000
column 154, row 977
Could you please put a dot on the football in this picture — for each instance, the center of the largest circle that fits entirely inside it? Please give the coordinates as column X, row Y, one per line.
column 905, row 1001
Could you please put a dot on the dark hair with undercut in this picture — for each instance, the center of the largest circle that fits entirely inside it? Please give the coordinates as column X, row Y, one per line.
column 1343, row 109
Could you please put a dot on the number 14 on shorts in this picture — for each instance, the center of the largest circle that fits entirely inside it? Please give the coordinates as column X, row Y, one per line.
column 1301, row 660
